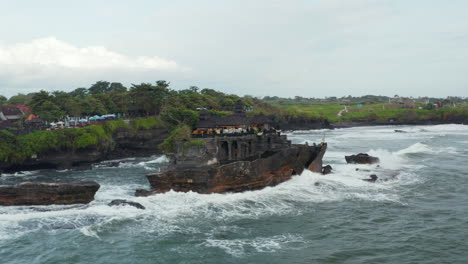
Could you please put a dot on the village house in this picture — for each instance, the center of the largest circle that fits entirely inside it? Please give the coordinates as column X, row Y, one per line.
column 11, row 113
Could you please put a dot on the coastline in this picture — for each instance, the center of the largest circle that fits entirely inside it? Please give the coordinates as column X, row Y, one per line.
column 146, row 143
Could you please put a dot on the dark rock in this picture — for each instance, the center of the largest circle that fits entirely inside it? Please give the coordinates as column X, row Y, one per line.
column 399, row 131
column 316, row 165
column 357, row 169
column 326, row 170
column 361, row 158
column 373, row 178
column 143, row 192
column 40, row 193
column 125, row 202
column 114, row 164
column 272, row 168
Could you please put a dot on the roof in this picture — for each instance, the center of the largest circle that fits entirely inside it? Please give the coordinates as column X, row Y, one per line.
column 26, row 109
column 11, row 111
column 260, row 119
column 31, row 117
column 237, row 119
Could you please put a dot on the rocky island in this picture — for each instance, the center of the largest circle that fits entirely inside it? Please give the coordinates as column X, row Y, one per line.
column 233, row 154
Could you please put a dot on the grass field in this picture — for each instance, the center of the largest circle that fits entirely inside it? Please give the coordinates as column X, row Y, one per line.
column 374, row 112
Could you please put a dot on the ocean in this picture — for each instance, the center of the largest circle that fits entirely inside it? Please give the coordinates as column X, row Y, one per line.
column 417, row 212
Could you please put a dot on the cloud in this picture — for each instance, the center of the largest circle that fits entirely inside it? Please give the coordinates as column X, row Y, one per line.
column 56, row 53
column 51, row 64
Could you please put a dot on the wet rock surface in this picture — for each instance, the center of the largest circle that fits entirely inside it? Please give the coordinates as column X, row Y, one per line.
column 272, row 168
column 326, row 170
column 42, row 193
column 361, row 158
column 372, row 178
column 120, row 202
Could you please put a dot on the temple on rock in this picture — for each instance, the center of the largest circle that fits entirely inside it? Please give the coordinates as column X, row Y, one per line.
column 232, row 154
column 238, row 123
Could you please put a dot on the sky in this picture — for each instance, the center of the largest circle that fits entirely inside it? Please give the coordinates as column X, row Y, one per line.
column 287, row 48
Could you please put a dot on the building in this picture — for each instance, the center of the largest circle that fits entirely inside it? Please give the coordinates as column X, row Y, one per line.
column 11, row 113
column 236, row 123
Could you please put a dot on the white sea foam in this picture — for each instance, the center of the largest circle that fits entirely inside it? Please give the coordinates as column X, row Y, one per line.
column 238, row 247
column 20, row 174
column 173, row 211
column 415, row 148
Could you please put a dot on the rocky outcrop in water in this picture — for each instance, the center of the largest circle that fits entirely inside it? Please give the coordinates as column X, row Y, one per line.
column 41, row 193
column 270, row 169
column 326, row 170
column 361, row 158
column 373, row 178
column 124, row 144
column 316, row 164
column 119, row 202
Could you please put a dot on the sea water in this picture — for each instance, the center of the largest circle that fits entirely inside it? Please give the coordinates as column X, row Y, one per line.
column 416, row 213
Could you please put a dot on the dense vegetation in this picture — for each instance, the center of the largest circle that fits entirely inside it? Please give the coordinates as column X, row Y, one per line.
column 16, row 149
column 140, row 100
column 157, row 105
column 147, row 105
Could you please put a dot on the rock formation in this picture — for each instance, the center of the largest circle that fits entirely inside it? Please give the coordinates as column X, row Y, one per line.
column 270, row 169
column 41, row 193
column 373, row 178
column 326, row 170
column 316, row 165
column 361, row 158
column 125, row 202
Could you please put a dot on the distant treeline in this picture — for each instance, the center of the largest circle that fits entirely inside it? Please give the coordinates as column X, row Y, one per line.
column 139, row 100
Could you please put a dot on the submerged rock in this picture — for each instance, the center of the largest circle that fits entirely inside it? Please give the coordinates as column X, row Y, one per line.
column 125, row 202
column 361, row 158
column 42, row 193
column 326, row 170
column 373, row 178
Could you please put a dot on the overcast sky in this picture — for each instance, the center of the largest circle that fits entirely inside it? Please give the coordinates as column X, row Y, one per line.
column 310, row 48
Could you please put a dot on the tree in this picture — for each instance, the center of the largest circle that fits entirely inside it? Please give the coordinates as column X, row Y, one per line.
column 149, row 99
column 92, row 106
column 99, row 87
column 20, row 99
column 177, row 116
column 79, row 92
column 49, row 111
column 3, row 100
column 163, row 84
column 117, row 87
column 39, row 99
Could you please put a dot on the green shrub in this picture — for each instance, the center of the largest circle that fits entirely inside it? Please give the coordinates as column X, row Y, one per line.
column 144, row 123
column 180, row 134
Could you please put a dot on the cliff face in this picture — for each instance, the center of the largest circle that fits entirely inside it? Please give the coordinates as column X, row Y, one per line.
column 123, row 144
column 270, row 169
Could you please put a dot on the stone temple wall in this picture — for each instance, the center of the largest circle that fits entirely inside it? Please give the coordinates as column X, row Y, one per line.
column 223, row 150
